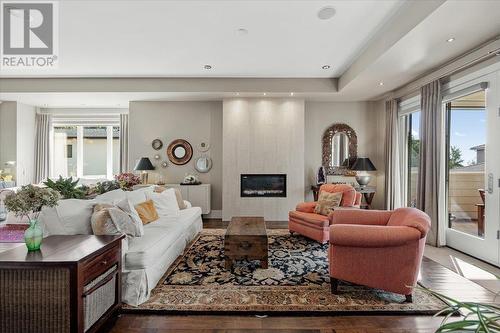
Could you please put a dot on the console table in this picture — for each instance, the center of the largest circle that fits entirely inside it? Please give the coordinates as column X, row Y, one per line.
column 367, row 192
column 73, row 284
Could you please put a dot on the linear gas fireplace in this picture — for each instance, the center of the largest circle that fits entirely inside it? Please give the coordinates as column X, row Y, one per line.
column 263, row 185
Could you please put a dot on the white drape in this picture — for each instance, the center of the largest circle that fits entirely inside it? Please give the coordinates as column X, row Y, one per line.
column 393, row 192
column 428, row 182
column 42, row 146
column 124, row 132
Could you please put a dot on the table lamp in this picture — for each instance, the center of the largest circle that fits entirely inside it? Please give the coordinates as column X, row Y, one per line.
column 363, row 164
column 144, row 165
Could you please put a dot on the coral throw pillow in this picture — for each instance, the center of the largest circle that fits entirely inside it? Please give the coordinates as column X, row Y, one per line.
column 147, row 211
column 327, row 202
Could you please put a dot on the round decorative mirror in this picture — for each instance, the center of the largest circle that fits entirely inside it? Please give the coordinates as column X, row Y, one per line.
column 203, row 164
column 179, row 152
column 157, row 144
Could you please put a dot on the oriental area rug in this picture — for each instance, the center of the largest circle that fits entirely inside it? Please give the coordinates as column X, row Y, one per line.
column 297, row 281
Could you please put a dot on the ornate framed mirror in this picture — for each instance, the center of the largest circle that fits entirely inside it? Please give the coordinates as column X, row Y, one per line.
column 340, row 148
column 179, row 152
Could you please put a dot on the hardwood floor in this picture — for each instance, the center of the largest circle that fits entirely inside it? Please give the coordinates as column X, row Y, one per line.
column 433, row 275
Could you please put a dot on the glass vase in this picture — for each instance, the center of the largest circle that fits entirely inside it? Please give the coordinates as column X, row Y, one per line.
column 33, row 236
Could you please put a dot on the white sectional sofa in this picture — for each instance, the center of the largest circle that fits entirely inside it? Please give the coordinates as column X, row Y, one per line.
column 146, row 258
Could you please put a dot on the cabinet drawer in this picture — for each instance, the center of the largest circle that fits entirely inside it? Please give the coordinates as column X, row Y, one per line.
column 95, row 266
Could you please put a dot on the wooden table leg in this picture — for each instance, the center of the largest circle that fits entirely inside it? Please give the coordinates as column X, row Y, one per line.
column 264, row 263
column 228, row 264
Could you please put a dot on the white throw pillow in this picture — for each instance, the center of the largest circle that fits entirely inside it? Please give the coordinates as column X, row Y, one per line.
column 75, row 215
column 139, row 196
column 127, row 207
column 111, row 196
column 165, row 202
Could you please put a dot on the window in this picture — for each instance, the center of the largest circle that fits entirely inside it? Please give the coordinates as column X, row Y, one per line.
column 413, row 154
column 409, row 125
column 87, row 150
column 69, row 151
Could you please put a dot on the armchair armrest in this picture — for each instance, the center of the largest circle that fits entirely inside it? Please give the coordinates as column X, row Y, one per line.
column 360, row 216
column 372, row 236
column 306, row 207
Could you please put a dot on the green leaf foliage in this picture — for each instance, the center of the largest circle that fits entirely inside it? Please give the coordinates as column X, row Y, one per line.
column 67, row 187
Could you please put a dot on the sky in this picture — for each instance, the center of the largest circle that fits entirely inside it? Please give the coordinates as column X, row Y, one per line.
column 468, row 129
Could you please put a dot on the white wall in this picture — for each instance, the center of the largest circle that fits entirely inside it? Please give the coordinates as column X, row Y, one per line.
column 364, row 118
column 262, row 136
column 195, row 122
column 17, row 140
column 8, row 119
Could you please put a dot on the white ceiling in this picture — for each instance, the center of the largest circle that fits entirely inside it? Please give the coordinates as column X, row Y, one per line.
column 177, row 38
column 285, row 39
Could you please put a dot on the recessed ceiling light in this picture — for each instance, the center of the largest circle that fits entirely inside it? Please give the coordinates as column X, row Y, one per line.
column 381, row 83
column 326, row 67
column 291, row 94
column 242, row 31
column 207, row 67
column 449, row 40
column 264, row 94
column 237, row 94
column 326, row 13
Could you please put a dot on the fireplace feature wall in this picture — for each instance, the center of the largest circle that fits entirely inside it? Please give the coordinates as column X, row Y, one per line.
column 263, row 185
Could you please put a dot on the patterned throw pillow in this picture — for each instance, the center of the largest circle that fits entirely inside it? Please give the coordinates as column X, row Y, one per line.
column 327, row 202
column 147, row 211
column 111, row 220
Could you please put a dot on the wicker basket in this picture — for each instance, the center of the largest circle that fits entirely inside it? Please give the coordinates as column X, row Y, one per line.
column 101, row 299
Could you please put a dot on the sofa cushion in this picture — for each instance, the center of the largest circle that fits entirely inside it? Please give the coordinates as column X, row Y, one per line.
column 147, row 211
column 111, row 196
column 140, row 195
column 311, row 218
column 126, row 206
column 75, row 216
column 178, row 195
column 165, row 202
column 158, row 237
column 327, row 202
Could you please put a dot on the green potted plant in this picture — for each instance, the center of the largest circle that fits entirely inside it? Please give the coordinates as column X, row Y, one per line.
column 473, row 316
column 67, row 187
column 28, row 202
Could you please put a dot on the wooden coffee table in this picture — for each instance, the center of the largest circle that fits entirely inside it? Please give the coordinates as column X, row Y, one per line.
column 246, row 238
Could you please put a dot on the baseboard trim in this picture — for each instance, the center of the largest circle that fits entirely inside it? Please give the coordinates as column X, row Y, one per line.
column 214, row 214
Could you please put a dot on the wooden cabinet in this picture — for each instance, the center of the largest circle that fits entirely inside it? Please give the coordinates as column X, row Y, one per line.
column 198, row 195
column 73, row 284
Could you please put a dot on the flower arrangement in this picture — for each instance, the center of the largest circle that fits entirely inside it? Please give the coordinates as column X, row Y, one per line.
column 29, row 201
column 127, row 180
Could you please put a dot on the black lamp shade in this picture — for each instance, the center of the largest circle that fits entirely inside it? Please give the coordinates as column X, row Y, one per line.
column 144, row 164
column 363, row 164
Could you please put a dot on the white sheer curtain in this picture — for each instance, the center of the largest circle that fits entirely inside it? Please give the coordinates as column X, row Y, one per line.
column 42, row 146
column 393, row 188
column 429, row 176
column 124, row 167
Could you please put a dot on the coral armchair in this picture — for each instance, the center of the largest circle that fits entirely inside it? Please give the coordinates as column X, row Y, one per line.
column 304, row 221
column 378, row 249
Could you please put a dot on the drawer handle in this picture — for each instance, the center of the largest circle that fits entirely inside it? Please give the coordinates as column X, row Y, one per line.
column 245, row 245
column 104, row 262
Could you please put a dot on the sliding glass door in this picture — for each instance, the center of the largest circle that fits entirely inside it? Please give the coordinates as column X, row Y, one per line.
column 469, row 227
